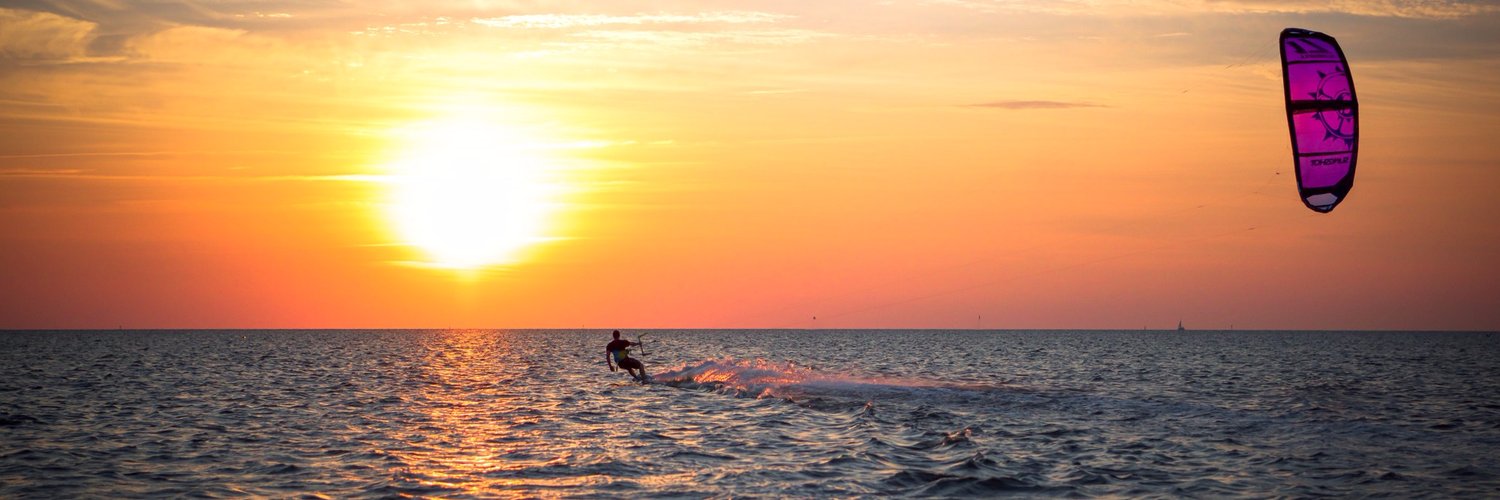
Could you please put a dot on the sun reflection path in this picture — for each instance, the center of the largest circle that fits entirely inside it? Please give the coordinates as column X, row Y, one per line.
column 488, row 407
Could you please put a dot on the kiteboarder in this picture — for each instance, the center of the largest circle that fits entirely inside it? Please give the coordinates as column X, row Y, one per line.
column 618, row 353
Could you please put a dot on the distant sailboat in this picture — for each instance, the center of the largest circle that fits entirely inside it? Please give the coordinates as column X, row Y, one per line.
column 1179, row 326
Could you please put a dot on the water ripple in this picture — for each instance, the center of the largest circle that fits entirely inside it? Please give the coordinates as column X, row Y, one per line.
column 335, row 414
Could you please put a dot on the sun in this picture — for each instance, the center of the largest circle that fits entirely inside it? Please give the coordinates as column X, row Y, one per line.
column 471, row 192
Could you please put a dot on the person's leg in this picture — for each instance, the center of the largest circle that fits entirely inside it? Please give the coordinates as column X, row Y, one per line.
column 634, row 366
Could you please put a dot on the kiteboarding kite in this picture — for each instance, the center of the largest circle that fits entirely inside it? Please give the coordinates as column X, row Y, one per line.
column 1323, row 116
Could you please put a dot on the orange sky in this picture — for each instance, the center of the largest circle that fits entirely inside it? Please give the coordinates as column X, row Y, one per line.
column 894, row 164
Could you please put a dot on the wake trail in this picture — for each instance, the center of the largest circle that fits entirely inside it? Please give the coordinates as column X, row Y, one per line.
column 760, row 378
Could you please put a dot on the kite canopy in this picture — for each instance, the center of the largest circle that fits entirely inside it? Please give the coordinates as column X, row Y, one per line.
column 1323, row 116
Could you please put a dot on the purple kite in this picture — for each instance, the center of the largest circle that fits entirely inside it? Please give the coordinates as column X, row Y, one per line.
column 1323, row 116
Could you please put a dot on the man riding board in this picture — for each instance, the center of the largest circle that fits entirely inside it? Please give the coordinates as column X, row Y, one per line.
column 618, row 353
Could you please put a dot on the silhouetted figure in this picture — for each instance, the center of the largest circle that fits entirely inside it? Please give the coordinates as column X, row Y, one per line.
column 618, row 353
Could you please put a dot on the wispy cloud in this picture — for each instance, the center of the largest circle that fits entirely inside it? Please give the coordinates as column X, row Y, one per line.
column 92, row 154
column 41, row 172
column 41, row 36
column 1023, row 105
column 91, row 175
column 1415, row 9
column 564, row 21
column 663, row 29
column 1418, row 9
column 775, row 91
column 695, row 38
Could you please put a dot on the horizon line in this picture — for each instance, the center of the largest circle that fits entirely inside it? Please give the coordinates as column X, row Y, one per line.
column 744, row 329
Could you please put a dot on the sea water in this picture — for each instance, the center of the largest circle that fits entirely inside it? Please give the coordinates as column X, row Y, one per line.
column 339, row 413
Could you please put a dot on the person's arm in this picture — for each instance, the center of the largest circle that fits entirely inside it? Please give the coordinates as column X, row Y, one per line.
column 609, row 360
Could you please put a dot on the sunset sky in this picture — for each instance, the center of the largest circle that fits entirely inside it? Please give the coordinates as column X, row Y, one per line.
column 727, row 164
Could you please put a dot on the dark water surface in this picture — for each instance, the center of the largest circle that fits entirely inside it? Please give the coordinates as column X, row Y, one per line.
column 757, row 413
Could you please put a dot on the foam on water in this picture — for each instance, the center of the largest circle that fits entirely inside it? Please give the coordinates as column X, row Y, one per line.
column 761, row 378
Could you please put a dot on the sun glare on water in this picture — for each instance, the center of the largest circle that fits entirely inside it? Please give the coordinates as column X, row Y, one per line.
column 471, row 192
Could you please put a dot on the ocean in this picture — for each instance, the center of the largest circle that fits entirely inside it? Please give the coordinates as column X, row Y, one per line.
column 757, row 413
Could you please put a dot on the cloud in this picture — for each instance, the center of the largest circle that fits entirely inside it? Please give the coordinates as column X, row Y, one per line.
column 118, row 23
column 666, row 29
column 1022, row 105
column 564, row 21
column 41, row 36
column 114, row 23
column 90, row 175
column 693, row 39
column 198, row 44
column 41, row 172
column 1415, row 9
